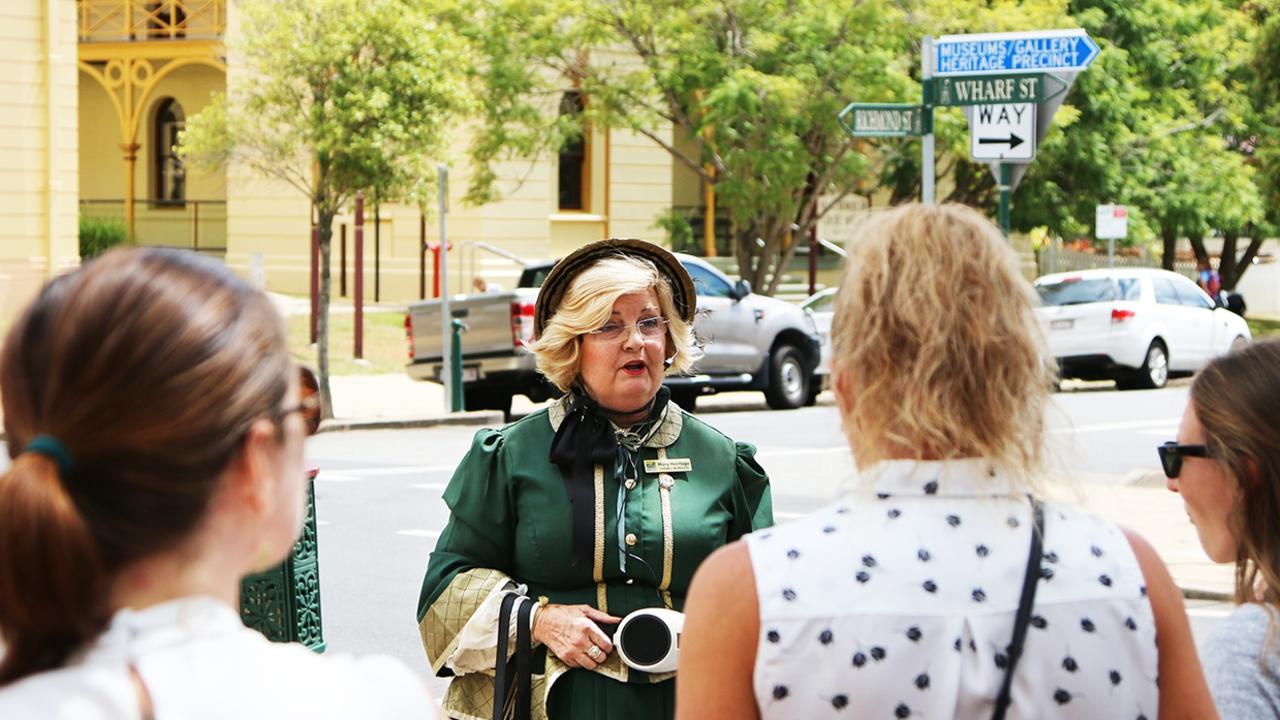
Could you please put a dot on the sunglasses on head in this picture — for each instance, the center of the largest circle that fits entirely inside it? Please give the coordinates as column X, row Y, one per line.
column 1171, row 454
column 309, row 405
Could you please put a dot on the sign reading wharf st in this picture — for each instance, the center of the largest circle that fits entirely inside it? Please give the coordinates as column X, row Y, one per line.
column 988, row 89
column 882, row 120
column 1016, row 52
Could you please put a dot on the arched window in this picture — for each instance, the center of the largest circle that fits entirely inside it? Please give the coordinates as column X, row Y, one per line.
column 575, row 167
column 170, row 177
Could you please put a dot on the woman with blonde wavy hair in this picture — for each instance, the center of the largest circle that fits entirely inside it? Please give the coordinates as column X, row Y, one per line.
column 600, row 506
column 944, row 586
column 1226, row 465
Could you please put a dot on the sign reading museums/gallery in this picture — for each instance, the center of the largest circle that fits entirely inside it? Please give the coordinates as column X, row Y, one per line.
column 1016, row 52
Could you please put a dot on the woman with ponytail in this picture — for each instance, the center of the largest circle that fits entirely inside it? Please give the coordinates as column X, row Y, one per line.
column 156, row 425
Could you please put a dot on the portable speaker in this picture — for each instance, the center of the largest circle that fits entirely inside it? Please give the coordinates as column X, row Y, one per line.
column 649, row 639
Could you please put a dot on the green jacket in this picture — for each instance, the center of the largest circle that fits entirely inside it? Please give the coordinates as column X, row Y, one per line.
column 511, row 521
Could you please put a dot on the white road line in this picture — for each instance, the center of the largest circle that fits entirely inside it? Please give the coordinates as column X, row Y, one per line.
column 1210, row 612
column 336, row 477
column 429, row 486
column 1161, row 424
column 391, row 470
column 419, row 533
column 788, row 452
column 789, row 515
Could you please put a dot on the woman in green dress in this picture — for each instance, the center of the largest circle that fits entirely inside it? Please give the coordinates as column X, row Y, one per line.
column 604, row 503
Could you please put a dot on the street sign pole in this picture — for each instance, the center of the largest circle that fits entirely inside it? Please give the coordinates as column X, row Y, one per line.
column 1005, row 193
column 446, row 356
column 926, row 147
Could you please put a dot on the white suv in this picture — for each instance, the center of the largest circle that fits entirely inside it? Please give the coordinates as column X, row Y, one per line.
column 1133, row 325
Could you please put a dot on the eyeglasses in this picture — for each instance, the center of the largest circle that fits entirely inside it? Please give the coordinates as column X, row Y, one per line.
column 309, row 405
column 1171, row 454
column 649, row 328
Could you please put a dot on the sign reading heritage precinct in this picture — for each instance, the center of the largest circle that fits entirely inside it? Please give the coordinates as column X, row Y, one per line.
column 1016, row 52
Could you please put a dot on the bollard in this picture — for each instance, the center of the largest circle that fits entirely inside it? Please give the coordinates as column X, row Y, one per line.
column 455, row 365
column 283, row 602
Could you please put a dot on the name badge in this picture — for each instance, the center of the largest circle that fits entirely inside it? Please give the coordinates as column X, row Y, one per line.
column 669, row 465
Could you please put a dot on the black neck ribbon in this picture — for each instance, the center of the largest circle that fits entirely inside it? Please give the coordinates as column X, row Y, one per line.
column 585, row 439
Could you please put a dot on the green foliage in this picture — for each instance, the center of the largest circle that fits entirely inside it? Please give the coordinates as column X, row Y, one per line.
column 679, row 232
column 743, row 93
column 337, row 97
column 97, row 235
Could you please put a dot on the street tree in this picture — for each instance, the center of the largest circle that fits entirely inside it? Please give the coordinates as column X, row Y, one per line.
column 335, row 97
column 744, row 94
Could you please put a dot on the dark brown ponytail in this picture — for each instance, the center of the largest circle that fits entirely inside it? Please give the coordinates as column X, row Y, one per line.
column 147, row 366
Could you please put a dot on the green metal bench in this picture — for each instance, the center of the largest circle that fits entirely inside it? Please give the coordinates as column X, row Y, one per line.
column 283, row 602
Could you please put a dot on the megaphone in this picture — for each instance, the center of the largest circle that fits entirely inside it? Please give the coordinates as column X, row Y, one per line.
column 649, row 639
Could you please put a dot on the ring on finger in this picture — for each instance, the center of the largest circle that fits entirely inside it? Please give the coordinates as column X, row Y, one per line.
column 595, row 653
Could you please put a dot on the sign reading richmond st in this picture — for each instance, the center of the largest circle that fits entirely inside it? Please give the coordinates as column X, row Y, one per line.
column 1017, row 52
column 882, row 120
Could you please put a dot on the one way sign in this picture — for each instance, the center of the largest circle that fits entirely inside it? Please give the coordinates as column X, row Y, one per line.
column 1003, row 132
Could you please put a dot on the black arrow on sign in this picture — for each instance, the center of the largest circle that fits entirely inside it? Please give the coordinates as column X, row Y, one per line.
column 1012, row 141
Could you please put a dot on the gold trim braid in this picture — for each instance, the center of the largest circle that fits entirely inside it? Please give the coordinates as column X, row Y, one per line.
column 665, row 483
column 597, row 572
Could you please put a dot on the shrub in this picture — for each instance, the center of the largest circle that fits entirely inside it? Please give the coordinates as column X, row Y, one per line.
column 98, row 235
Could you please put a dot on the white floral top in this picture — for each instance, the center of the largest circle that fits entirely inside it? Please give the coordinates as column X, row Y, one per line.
column 901, row 604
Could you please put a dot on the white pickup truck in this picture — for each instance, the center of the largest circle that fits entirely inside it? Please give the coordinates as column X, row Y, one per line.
column 750, row 342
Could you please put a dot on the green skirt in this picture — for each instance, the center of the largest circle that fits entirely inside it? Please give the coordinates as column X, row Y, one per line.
column 581, row 695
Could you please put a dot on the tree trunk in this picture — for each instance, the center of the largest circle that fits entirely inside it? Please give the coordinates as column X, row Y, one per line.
column 1169, row 235
column 1246, row 260
column 1227, row 260
column 1197, row 247
column 325, row 216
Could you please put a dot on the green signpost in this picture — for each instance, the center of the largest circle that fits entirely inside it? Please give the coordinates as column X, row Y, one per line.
column 963, row 90
column 884, row 120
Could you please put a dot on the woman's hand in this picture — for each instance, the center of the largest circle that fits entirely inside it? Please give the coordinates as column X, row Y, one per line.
column 570, row 631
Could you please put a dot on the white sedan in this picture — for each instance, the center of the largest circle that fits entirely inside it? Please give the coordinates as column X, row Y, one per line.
column 1133, row 325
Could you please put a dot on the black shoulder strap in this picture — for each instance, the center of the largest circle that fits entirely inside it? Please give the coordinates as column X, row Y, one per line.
column 524, row 660
column 520, row 663
column 1023, row 619
column 502, row 668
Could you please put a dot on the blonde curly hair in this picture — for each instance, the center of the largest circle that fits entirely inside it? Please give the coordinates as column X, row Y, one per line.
column 936, row 351
column 587, row 305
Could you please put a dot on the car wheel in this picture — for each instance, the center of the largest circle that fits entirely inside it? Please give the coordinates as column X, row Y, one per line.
column 788, row 382
column 1154, row 372
column 815, row 387
column 686, row 398
column 1239, row 343
column 478, row 399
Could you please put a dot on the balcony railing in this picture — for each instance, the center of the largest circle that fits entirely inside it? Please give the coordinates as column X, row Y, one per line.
column 133, row 20
column 199, row 225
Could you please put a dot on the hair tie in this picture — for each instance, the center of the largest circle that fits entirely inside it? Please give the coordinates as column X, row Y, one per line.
column 52, row 448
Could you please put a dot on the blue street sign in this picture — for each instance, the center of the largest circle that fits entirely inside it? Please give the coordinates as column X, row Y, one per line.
column 1037, row 51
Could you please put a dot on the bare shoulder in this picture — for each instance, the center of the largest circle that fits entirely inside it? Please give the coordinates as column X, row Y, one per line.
column 1183, row 690
column 718, row 647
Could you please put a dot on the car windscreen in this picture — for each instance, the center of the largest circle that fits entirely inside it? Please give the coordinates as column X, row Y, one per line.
column 1076, row 291
column 534, row 275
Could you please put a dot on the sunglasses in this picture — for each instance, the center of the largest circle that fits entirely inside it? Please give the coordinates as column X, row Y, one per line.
column 309, row 405
column 1171, row 454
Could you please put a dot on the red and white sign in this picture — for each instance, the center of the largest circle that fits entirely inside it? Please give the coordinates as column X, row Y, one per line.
column 1112, row 222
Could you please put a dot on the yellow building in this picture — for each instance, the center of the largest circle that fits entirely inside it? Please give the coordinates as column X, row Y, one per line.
column 99, row 89
column 38, row 147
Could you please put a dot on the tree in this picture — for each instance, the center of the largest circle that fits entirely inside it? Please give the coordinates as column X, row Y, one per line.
column 337, row 96
column 1161, row 123
column 749, row 88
